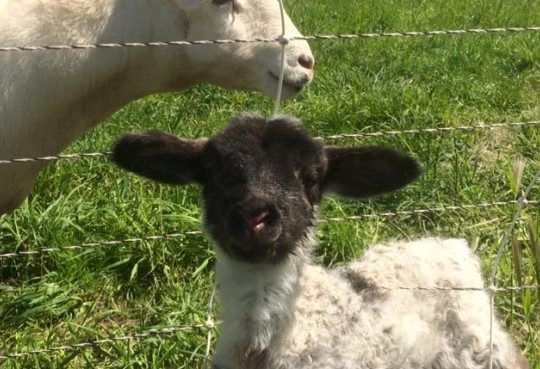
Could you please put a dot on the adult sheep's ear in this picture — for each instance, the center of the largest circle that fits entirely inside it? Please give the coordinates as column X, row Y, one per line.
column 367, row 171
column 160, row 156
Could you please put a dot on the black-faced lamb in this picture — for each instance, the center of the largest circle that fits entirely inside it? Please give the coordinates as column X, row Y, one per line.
column 262, row 183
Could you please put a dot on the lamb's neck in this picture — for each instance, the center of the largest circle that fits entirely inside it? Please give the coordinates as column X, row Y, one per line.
column 258, row 306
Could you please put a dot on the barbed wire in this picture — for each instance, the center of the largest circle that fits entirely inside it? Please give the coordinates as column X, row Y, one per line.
column 432, row 130
column 172, row 236
column 57, row 157
column 462, row 289
column 97, row 245
column 210, row 324
column 353, row 36
column 429, row 210
column 99, row 342
column 283, row 41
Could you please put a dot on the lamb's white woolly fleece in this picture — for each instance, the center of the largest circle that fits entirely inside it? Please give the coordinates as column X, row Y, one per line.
column 299, row 315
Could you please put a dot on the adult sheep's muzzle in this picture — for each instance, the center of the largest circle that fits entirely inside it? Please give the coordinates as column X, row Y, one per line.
column 299, row 69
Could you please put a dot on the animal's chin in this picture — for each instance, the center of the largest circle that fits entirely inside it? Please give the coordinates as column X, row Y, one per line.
column 274, row 253
column 291, row 87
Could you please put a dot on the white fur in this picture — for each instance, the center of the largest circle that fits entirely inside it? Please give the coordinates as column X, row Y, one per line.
column 298, row 315
column 49, row 98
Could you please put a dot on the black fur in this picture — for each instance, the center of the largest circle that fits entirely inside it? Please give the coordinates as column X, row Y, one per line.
column 263, row 179
column 367, row 171
column 159, row 156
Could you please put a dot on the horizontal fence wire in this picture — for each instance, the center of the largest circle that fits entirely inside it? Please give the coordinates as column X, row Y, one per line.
column 173, row 236
column 440, row 209
column 210, row 325
column 97, row 245
column 432, row 130
column 100, row 342
column 354, row 36
column 81, row 155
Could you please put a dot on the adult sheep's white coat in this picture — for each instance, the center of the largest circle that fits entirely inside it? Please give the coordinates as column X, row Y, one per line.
column 49, row 98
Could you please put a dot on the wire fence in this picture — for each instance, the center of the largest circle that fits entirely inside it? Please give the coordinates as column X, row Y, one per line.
column 279, row 39
column 432, row 130
column 177, row 236
column 210, row 324
column 284, row 41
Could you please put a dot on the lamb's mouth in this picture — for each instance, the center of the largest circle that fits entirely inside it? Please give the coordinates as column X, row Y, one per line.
column 297, row 85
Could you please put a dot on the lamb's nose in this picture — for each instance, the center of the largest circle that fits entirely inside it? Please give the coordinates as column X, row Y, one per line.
column 306, row 61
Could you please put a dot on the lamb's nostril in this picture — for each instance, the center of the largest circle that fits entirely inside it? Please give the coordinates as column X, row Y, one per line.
column 306, row 61
column 259, row 222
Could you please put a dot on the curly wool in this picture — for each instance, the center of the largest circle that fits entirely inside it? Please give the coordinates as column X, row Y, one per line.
column 299, row 315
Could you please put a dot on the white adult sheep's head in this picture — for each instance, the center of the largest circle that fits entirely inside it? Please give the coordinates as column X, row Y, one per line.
column 246, row 66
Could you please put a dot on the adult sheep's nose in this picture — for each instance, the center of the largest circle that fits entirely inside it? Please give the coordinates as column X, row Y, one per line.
column 306, row 61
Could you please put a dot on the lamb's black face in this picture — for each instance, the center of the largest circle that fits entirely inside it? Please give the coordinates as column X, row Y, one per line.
column 261, row 185
column 264, row 179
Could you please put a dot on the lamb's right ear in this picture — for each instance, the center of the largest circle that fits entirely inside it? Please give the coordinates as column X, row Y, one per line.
column 160, row 156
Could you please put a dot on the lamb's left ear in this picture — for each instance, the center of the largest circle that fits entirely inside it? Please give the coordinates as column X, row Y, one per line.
column 160, row 156
column 367, row 171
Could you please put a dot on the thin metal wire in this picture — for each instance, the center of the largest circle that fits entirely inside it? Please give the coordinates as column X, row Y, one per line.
column 102, row 154
column 462, row 289
column 492, row 283
column 434, row 130
column 491, row 326
column 100, row 342
column 429, row 210
column 172, row 236
column 454, row 32
column 210, row 324
column 171, row 331
column 521, row 204
column 477, row 127
column 283, row 41
column 96, row 245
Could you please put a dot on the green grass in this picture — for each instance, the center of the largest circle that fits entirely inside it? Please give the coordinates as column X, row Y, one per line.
column 363, row 85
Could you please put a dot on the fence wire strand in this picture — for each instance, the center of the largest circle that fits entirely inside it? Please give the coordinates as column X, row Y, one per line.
column 112, row 45
column 283, row 41
column 492, row 278
column 173, row 236
column 99, row 342
column 166, row 332
column 210, row 324
column 432, row 130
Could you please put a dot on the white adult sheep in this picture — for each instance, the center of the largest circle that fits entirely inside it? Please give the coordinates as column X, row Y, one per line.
column 49, row 98
column 263, row 182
